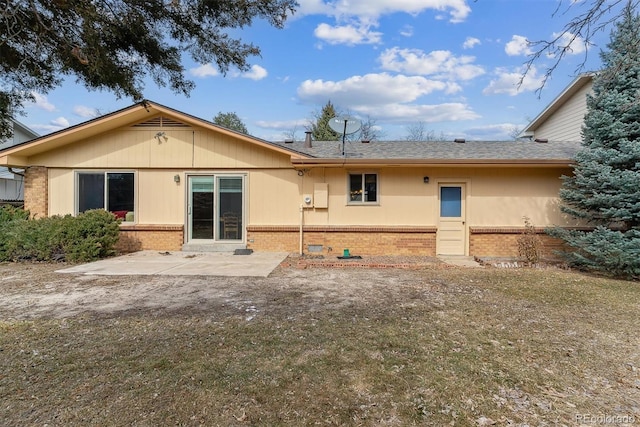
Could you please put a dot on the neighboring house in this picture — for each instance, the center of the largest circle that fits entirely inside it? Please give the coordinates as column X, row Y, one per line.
column 11, row 181
column 562, row 119
column 181, row 182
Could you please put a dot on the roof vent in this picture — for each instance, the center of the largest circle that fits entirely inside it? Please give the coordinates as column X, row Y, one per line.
column 365, row 141
column 459, row 140
column 160, row 121
column 541, row 140
column 307, row 139
column 288, row 141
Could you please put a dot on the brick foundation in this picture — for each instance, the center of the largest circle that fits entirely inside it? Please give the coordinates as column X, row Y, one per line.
column 150, row 237
column 359, row 240
column 36, row 186
column 503, row 242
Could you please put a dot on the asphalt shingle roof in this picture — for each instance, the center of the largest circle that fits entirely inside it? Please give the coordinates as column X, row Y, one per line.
column 432, row 150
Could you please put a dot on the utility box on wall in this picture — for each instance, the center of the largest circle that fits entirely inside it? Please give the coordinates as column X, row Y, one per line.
column 321, row 195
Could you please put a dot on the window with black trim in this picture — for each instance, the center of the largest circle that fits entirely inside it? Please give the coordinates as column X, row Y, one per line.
column 363, row 188
column 112, row 191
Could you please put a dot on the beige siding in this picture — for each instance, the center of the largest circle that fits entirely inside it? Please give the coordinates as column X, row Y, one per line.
column 495, row 197
column 222, row 151
column 274, row 197
column 566, row 123
column 160, row 200
column 183, row 148
column 502, row 197
column 61, row 192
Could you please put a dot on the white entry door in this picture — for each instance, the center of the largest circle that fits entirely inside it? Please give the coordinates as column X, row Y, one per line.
column 451, row 238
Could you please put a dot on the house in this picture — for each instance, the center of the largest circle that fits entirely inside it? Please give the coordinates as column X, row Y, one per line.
column 562, row 119
column 181, row 182
column 11, row 181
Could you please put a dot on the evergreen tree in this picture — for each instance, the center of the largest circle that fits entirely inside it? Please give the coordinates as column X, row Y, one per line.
column 604, row 190
column 320, row 130
column 116, row 44
column 230, row 121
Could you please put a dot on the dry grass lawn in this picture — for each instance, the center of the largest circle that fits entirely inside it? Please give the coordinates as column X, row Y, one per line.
column 363, row 347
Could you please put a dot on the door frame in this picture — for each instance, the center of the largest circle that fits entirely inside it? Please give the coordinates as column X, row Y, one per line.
column 465, row 185
column 216, row 202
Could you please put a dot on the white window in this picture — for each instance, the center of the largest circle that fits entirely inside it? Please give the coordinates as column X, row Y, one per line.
column 112, row 191
column 363, row 188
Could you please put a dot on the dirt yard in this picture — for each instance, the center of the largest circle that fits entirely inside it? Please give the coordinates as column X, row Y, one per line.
column 423, row 345
column 37, row 291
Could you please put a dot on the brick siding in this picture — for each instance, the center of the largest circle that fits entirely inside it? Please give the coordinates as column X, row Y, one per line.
column 150, row 237
column 36, row 183
column 503, row 242
column 359, row 240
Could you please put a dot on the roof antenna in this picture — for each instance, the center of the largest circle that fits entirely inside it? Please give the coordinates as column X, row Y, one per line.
column 344, row 125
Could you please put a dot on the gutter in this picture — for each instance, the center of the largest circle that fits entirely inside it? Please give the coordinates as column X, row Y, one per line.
column 14, row 172
column 433, row 162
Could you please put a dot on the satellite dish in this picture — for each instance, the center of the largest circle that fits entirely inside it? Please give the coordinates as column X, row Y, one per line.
column 345, row 125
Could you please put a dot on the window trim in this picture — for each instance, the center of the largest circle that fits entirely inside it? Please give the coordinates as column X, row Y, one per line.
column 105, row 173
column 363, row 177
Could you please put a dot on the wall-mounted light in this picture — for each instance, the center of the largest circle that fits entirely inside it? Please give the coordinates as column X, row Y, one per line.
column 161, row 135
column 176, row 179
column 425, row 179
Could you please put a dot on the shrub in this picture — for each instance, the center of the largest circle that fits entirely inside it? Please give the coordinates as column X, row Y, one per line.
column 10, row 213
column 91, row 235
column 86, row 237
column 613, row 252
column 529, row 244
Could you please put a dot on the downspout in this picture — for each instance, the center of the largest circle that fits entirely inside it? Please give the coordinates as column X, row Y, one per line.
column 307, row 144
column 301, row 223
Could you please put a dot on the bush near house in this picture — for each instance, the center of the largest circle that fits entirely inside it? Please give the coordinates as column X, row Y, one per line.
column 89, row 236
column 529, row 244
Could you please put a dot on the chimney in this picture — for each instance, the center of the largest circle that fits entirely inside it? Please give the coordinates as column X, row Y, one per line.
column 307, row 139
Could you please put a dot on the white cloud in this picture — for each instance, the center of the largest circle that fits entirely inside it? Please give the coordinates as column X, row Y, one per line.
column 458, row 10
column 366, row 13
column 407, row 113
column 282, row 124
column 512, row 82
column 255, row 73
column 61, row 122
column 406, row 31
column 42, row 102
column 493, row 132
column 205, row 70
column 347, row 34
column 387, row 98
column 86, row 112
column 370, row 89
column 470, row 43
column 519, row 45
column 441, row 64
column 52, row 126
column 575, row 44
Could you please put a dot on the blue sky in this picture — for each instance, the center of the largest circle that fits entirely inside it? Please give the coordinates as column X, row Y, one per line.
column 452, row 65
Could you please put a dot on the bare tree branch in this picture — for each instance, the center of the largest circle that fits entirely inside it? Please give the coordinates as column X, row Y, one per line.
column 596, row 17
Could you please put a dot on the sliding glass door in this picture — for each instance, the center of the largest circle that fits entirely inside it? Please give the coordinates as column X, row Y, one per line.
column 215, row 208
